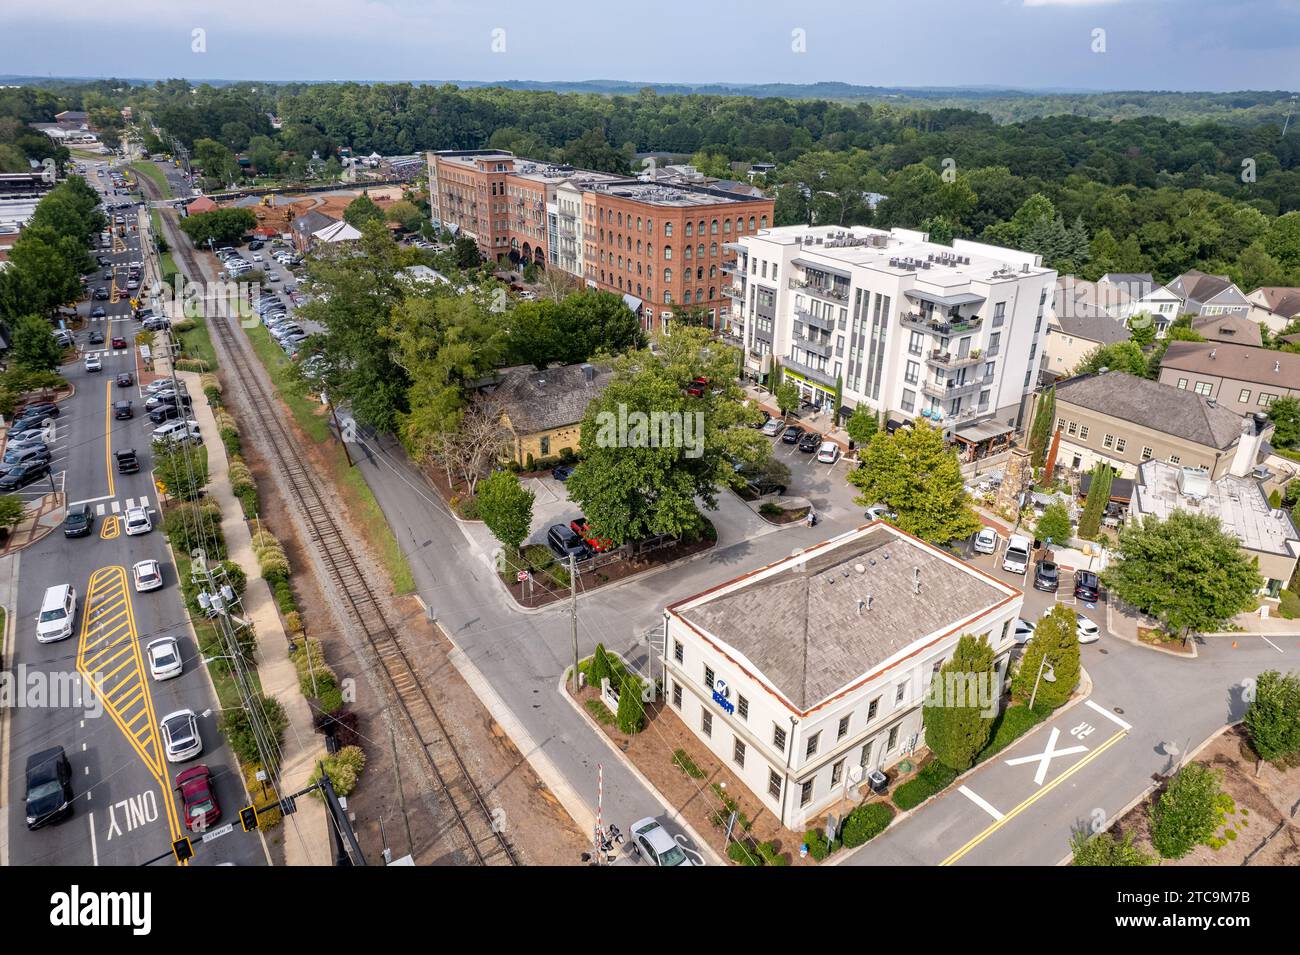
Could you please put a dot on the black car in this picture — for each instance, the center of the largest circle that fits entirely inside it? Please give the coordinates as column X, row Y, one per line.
column 255, row 245
column 810, row 442
column 46, row 409
column 103, row 260
column 792, row 435
column 122, row 410
column 79, row 521
column 101, row 294
column 127, row 462
column 24, row 474
column 1087, row 586
column 1046, row 576
column 33, row 452
column 563, row 541
column 164, row 413
column 96, row 338
column 562, row 472
column 27, row 423
column 125, row 380
column 49, row 787
column 98, row 312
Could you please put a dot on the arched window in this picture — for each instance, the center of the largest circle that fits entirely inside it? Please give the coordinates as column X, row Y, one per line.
column 668, row 276
column 699, row 295
column 762, row 223
column 620, row 220
column 751, row 222
column 638, row 246
column 668, row 253
column 638, row 223
column 726, row 226
column 713, row 250
column 668, row 230
column 687, row 254
column 699, row 272
column 650, row 226
column 668, row 298
column 713, row 271
column 686, row 297
column 688, row 229
column 712, row 293
column 700, row 253
column 713, row 227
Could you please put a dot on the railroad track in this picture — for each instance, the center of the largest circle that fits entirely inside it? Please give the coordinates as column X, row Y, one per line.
column 482, row 838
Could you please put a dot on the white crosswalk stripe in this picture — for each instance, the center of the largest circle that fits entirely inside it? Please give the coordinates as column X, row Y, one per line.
column 99, row 510
column 116, row 507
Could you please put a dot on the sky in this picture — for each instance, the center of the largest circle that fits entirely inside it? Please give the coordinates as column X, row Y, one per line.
column 1028, row 44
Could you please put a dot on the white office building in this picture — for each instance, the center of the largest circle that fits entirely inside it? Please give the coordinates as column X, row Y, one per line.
column 910, row 327
column 804, row 676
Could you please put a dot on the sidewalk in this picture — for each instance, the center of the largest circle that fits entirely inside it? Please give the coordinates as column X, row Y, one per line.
column 306, row 835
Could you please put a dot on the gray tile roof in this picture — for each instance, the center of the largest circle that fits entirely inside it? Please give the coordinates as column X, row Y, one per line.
column 541, row 400
column 311, row 222
column 1099, row 328
column 1176, row 411
column 800, row 625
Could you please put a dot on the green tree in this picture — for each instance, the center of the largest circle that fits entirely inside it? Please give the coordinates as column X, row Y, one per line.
column 182, row 468
column 1273, row 716
column 1098, row 497
column 1125, row 357
column 11, row 511
column 406, row 214
column 1187, row 812
column 913, row 473
column 631, row 709
column 787, row 396
column 1103, row 849
column 1185, row 571
column 218, row 227
column 506, row 507
column 956, row 724
column 1054, row 525
column 361, row 210
column 1285, row 415
column 1055, row 640
column 1040, row 433
column 34, row 347
column 862, row 425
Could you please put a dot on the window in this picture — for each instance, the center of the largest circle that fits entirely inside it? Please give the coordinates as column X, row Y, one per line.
column 1083, row 432
column 1120, row 444
column 677, row 694
column 773, row 784
column 1073, row 429
column 844, row 728
column 900, row 693
column 1204, row 388
column 1175, row 459
column 871, row 709
column 668, row 279
column 668, row 229
column 1182, row 383
column 708, row 677
column 909, row 400
column 690, row 229
column 778, row 737
column 811, row 749
column 1060, row 424
column 1146, row 454
column 1266, row 399
column 1244, row 397
column 893, row 739
column 668, row 254
column 837, row 772
column 679, row 651
column 738, row 753
column 912, row 373
column 866, row 754
column 742, row 707
column 706, row 723
column 805, row 791
column 1108, row 441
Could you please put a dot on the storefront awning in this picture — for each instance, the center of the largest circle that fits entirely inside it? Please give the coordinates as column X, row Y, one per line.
column 633, row 302
column 982, row 431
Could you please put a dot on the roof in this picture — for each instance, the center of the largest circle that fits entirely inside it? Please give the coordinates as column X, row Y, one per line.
column 1175, row 411
column 1095, row 328
column 1280, row 299
column 537, row 401
column 804, row 623
column 1197, row 286
column 201, row 204
column 1079, row 298
column 1229, row 328
column 312, row 222
column 337, row 232
column 1239, row 362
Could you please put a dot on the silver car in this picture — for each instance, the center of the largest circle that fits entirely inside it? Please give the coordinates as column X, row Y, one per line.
column 652, row 842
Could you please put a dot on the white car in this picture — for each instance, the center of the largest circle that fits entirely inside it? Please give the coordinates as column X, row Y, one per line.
column 178, row 431
column 879, row 512
column 1024, row 631
column 1086, row 630
column 180, row 733
column 986, row 540
column 93, row 363
column 828, row 453
column 137, row 521
column 148, row 576
column 164, row 659
column 257, row 256
column 652, row 843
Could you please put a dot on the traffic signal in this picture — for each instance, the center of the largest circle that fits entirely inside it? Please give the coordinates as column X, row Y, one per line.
column 248, row 818
column 182, row 849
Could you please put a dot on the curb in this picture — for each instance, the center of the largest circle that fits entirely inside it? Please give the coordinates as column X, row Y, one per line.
column 1134, row 641
column 6, row 654
column 631, row 767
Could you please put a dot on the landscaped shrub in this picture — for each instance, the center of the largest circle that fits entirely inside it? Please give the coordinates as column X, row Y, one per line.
column 598, row 667
column 631, row 709
column 237, row 728
column 191, row 364
column 241, row 476
column 770, row 854
column 934, row 778
column 771, row 509
column 1289, row 605
column 196, row 525
column 235, row 576
column 818, row 847
column 1105, row 850
column 344, row 769
column 270, row 555
column 1187, row 812
column 865, row 823
column 183, row 325
column 743, row 853
column 293, row 622
column 1011, row 724
column 248, row 501
column 284, row 598
column 682, row 760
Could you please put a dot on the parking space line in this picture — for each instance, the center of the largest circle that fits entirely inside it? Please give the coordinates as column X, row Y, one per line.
column 979, row 801
column 1110, row 716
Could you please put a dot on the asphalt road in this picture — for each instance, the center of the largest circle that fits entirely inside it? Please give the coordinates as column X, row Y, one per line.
column 125, row 811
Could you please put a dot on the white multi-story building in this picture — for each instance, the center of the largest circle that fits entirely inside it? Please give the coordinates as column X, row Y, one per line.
column 909, row 327
column 805, row 675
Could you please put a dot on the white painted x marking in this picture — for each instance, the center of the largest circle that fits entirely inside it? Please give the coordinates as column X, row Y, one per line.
column 1046, row 756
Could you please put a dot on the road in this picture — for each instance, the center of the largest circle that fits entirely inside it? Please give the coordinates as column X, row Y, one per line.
column 125, row 811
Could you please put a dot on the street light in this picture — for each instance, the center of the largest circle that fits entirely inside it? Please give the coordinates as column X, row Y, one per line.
column 1049, row 676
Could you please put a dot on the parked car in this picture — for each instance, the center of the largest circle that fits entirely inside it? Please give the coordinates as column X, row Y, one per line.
column 48, row 797
column 78, row 521
column 1015, row 559
column 1087, row 586
column 198, row 798
column 879, row 512
column 1085, row 629
column 761, row 424
column 1047, row 576
column 45, row 409
column 178, row 431
column 652, row 843
column 697, row 387
column 828, row 453
column 986, row 540
column 810, row 442
column 22, row 475
column 180, row 733
column 164, row 412
column 164, row 657
column 564, row 542
column 773, row 427
column 562, row 472
column 25, row 454
column 792, row 435
column 148, row 575
column 1024, row 631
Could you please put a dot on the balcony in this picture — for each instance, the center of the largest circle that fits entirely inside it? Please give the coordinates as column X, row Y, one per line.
column 733, row 291
column 919, row 321
column 808, row 372
column 942, row 359
column 840, row 294
column 814, row 321
column 947, row 390
column 823, row 348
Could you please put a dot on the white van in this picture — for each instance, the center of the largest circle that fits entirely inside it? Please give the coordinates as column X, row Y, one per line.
column 1016, row 557
column 58, row 608
column 179, row 431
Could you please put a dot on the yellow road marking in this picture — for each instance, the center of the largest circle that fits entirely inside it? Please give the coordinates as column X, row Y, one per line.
column 108, row 443
column 108, row 585
column 995, row 826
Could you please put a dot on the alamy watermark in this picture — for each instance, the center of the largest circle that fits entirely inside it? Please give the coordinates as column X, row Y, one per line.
column 979, row 690
column 654, row 429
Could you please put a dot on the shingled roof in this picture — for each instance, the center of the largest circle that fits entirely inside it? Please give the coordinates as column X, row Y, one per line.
column 1233, row 329
column 536, row 401
column 1175, row 411
column 1261, row 366
column 1100, row 328
column 814, row 624
column 1280, row 299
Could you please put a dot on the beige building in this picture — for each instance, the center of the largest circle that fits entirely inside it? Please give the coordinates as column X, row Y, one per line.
column 1070, row 338
column 543, row 410
column 1239, row 377
column 1274, row 306
column 1127, row 421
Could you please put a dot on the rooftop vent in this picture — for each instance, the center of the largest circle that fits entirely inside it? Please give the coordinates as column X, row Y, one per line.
column 859, row 568
column 916, row 580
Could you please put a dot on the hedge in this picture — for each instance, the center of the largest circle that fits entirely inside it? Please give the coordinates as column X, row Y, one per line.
column 191, row 364
column 1011, row 724
column 1289, row 605
column 865, row 823
column 934, row 778
column 818, row 847
column 343, row 768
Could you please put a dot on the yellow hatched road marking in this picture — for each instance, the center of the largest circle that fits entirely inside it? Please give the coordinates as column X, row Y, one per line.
column 108, row 585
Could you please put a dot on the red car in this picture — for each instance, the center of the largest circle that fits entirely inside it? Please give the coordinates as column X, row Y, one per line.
column 696, row 387
column 119, row 341
column 198, row 798
column 583, row 530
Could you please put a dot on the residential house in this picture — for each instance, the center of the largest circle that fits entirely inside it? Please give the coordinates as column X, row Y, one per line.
column 1070, row 339
column 543, row 410
column 306, row 226
column 1194, row 293
column 1233, row 329
column 806, row 675
column 1274, row 306
column 1239, row 377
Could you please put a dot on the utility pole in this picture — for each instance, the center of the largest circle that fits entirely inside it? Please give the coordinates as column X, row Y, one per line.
column 573, row 612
